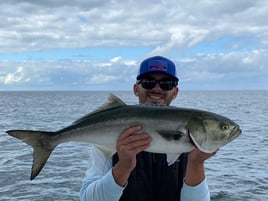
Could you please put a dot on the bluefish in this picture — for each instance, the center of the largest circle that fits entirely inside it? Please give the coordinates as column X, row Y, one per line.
column 173, row 130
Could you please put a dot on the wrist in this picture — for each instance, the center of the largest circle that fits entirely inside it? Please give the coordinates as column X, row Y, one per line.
column 195, row 173
column 121, row 174
column 195, row 163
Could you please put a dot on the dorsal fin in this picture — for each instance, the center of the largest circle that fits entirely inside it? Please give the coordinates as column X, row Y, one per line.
column 113, row 102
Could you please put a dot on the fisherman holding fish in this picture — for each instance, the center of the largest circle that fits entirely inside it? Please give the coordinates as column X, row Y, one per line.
column 133, row 174
column 146, row 152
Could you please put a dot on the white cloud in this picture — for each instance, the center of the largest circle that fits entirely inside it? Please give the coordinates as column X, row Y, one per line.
column 69, row 74
column 121, row 73
column 116, row 59
column 102, row 79
column 17, row 77
column 208, row 40
column 31, row 25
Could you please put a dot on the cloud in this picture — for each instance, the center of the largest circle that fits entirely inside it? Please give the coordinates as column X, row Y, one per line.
column 69, row 74
column 119, row 73
column 102, row 79
column 39, row 25
column 13, row 78
column 98, row 44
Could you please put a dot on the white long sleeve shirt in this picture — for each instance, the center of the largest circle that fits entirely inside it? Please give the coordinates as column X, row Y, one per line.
column 99, row 184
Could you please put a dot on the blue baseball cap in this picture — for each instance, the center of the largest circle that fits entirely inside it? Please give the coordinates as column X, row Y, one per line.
column 157, row 64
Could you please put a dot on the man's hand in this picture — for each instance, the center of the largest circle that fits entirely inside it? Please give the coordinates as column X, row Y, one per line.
column 129, row 143
column 198, row 157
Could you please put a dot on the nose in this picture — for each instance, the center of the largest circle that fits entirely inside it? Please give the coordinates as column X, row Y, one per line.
column 157, row 86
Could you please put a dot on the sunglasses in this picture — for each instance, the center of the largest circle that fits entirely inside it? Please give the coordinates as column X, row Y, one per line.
column 165, row 84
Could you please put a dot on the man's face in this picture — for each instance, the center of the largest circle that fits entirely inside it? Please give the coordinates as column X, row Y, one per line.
column 156, row 95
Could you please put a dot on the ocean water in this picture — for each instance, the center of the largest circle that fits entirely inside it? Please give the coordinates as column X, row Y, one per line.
column 237, row 172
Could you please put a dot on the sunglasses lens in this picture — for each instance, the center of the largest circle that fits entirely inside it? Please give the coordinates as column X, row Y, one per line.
column 164, row 84
column 148, row 84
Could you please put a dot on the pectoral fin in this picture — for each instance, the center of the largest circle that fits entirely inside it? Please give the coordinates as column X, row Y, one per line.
column 171, row 134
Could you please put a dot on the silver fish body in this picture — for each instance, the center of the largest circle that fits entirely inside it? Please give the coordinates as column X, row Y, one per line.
column 173, row 130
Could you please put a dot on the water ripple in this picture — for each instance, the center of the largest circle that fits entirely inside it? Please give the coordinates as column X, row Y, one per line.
column 237, row 172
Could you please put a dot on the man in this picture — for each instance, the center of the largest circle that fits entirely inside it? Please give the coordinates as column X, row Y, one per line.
column 135, row 175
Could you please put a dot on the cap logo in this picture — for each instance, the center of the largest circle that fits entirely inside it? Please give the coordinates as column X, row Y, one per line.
column 160, row 68
column 157, row 65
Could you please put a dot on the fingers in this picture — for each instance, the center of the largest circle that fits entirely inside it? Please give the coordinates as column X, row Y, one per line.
column 129, row 131
column 133, row 139
column 198, row 156
column 129, row 143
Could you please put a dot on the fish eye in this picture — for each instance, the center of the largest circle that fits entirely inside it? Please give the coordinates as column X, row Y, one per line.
column 225, row 127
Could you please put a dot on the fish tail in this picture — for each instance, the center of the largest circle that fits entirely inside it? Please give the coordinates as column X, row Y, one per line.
column 41, row 144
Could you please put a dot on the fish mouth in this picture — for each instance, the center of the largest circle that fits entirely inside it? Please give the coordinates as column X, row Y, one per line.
column 235, row 132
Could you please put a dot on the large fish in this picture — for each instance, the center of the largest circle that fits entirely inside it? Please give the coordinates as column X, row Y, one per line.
column 173, row 130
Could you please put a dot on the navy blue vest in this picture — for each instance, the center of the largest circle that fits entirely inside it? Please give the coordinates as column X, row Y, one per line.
column 153, row 180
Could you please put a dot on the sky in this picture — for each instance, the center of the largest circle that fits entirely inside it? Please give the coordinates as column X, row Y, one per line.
column 99, row 44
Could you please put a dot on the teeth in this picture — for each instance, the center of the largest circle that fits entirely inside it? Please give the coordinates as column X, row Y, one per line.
column 155, row 97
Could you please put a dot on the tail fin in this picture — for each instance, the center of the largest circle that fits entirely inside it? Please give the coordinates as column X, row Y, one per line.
column 39, row 140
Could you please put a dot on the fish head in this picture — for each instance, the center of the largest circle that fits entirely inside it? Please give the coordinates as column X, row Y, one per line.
column 209, row 132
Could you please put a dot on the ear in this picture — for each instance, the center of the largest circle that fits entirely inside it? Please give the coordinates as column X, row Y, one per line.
column 175, row 92
column 136, row 89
